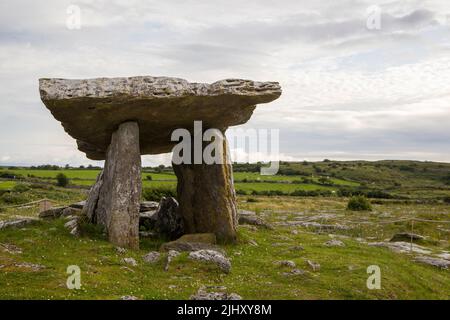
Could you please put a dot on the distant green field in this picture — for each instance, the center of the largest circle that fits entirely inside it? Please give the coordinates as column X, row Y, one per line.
column 7, row 185
column 247, row 187
column 87, row 178
column 158, row 184
column 79, row 174
column 70, row 173
column 285, row 187
column 380, row 179
column 239, row 176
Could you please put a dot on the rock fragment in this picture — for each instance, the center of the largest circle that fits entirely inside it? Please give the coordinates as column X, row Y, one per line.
column 313, row 265
column 203, row 294
column 19, row 223
column 152, row 257
column 436, row 262
column 170, row 256
column 131, row 261
column 406, row 236
column 334, row 243
column 192, row 242
column 212, row 256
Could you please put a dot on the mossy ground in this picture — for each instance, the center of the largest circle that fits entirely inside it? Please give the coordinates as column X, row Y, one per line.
column 343, row 272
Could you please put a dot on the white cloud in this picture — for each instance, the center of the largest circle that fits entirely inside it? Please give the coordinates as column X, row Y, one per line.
column 347, row 91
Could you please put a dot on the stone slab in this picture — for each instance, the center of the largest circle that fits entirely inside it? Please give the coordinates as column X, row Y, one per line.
column 90, row 110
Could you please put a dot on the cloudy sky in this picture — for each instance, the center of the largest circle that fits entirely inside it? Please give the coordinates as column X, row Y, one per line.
column 351, row 90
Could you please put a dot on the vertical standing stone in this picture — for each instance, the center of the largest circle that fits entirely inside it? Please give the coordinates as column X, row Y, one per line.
column 120, row 190
column 207, row 197
column 90, row 208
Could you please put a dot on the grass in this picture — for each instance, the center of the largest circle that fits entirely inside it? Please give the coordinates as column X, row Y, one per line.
column 7, row 185
column 399, row 179
column 86, row 178
column 78, row 174
column 285, row 187
column 254, row 275
column 252, row 176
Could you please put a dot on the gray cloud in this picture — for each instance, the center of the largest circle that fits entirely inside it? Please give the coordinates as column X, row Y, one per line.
column 348, row 91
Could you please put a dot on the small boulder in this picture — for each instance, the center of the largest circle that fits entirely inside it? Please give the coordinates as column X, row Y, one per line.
column 148, row 206
column 131, row 261
column 296, row 248
column 121, row 250
column 152, row 257
column 313, row 265
column 334, row 243
column 286, row 263
column 129, row 298
column 52, row 213
column 294, row 272
column 436, row 262
column 202, row 294
column 252, row 219
column 212, row 256
column 75, row 232
column 73, row 226
column 147, row 219
column 192, row 242
column 69, row 211
column 170, row 256
column 406, row 236
column 169, row 220
column 78, row 205
column 242, row 212
column 19, row 223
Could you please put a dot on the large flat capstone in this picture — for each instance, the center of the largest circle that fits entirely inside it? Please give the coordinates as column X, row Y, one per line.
column 91, row 110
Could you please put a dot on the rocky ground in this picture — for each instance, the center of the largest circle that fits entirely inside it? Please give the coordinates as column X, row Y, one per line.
column 288, row 249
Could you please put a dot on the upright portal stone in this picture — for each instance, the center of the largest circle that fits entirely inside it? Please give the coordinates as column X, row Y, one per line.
column 207, row 197
column 120, row 192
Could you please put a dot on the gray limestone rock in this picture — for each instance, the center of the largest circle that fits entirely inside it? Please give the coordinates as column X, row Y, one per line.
column 90, row 110
column 212, row 256
column 120, row 192
column 203, row 294
column 19, row 223
column 52, row 213
column 169, row 221
column 406, row 236
column 211, row 206
column 152, row 257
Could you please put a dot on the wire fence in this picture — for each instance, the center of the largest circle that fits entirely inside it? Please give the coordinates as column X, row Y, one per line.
column 32, row 203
